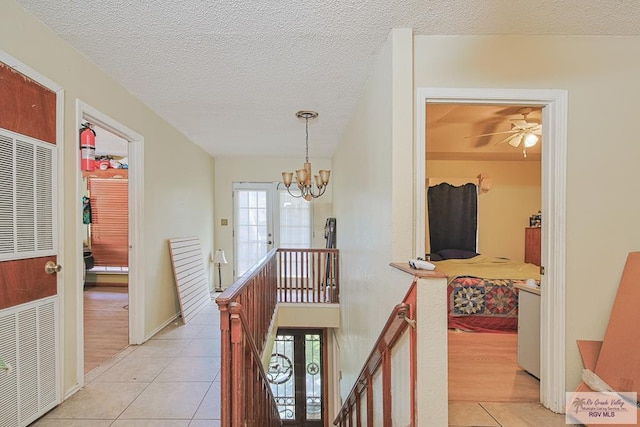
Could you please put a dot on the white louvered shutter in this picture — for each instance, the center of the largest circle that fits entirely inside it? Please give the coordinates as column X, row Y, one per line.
column 27, row 202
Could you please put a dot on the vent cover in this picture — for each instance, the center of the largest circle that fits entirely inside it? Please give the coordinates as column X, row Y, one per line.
column 28, row 337
column 27, row 203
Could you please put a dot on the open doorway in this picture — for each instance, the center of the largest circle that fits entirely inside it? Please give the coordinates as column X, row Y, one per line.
column 133, row 250
column 105, row 219
column 553, row 204
column 481, row 170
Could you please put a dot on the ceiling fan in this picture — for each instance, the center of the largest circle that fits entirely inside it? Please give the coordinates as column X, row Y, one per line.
column 522, row 131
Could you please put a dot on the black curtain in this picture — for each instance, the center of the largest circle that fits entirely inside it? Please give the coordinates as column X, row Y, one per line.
column 453, row 217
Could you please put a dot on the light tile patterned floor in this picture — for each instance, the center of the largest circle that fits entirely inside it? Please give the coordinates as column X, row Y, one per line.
column 171, row 380
column 502, row 414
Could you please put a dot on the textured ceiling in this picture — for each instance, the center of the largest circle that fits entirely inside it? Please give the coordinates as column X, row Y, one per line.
column 230, row 75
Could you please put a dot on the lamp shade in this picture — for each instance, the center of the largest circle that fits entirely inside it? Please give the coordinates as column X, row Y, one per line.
column 219, row 257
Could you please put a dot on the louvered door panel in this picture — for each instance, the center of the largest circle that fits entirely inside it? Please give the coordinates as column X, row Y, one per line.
column 109, row 221
column 7, row 224
column 8, row 381
column 27, row 202
column 28, row 337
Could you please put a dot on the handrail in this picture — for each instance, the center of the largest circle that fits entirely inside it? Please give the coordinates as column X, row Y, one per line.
column 255, row 294
column 247, row 308
column 402, row 316
column 251, row 411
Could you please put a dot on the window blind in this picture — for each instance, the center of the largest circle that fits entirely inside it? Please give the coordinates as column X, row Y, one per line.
column 109, row 221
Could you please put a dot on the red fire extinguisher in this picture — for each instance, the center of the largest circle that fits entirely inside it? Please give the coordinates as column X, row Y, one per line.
column 87, row 147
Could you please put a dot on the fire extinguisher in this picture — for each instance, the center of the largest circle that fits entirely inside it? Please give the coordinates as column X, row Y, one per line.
column 87, row 147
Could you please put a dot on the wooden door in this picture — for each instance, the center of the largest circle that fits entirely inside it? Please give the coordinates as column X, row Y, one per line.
column 28, row 241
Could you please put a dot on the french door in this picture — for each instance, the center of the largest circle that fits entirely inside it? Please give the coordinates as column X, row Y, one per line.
column 296, row 374
column 267, row 217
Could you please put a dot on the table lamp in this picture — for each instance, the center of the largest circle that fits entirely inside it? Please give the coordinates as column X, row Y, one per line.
column 219, row 259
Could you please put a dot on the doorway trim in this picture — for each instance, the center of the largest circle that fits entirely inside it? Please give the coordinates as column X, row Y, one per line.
column 553, row 257
column 85, row 112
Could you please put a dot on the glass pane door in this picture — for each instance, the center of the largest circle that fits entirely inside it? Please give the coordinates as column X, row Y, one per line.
column 253, row 228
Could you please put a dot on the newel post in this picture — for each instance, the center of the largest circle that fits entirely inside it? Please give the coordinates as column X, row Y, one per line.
column 225, row 349
column 237, row 359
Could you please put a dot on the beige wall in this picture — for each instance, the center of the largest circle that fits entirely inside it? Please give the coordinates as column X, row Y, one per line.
column 259, row 170
column 373, row 204
column 503, row 212
column 178, row 176
column 600, row 74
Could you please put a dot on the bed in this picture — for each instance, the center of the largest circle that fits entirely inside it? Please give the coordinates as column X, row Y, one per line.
column 480, row 294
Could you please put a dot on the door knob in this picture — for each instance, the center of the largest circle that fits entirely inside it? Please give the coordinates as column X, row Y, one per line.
column 51, row 267
column 269, row 242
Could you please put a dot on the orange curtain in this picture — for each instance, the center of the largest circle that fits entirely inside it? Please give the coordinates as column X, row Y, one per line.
column 109, row 221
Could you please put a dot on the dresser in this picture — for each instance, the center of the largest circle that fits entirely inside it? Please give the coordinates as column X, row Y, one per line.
column 532, row 245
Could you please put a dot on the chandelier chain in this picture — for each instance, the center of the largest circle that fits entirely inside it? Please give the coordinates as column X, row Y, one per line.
column 306, row 126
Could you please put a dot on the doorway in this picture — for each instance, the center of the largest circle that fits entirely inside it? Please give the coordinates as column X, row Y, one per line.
column 133, row 250
column 296, row 374
column 105, row 219
column 554, row 105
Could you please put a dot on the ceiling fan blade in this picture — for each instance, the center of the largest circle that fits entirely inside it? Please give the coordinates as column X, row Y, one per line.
column 515, row 142
column 510, row 138
column 494, row 133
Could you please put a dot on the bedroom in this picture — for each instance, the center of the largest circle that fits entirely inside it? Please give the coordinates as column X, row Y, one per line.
column 455, row 152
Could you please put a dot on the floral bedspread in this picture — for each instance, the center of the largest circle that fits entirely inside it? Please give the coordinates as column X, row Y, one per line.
column 483, row 305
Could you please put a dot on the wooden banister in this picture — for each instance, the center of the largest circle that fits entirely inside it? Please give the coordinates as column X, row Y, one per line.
column 402, row 316
column 247, row 308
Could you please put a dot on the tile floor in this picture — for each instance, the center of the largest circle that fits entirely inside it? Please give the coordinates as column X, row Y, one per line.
column 502, row 414
column 173, row 380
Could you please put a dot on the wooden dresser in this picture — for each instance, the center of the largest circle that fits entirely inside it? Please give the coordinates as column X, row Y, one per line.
column 532, row 245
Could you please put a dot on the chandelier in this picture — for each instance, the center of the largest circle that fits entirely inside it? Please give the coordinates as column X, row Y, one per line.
column 303, row 176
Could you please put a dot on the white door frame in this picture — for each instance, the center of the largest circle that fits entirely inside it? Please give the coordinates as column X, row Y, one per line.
column 85, row 112
column 554, row 169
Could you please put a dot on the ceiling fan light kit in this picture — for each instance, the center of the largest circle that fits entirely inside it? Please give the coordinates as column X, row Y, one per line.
column 522, row 132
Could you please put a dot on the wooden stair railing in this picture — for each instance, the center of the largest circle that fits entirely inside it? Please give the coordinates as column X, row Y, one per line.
column 402, row 316
column 255, row 403
column 308, row 275
column 246, row 310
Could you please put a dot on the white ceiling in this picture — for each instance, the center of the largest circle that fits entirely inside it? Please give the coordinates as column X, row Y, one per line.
column 230, row 75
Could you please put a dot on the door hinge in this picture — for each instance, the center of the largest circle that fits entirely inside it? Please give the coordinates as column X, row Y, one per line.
column 542, row 270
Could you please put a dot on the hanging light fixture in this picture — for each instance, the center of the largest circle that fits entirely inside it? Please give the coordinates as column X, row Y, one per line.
column 303, row 176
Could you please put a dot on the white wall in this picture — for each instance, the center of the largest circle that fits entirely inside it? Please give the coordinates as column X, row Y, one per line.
column 600, row 74
column 178, row 176
column 242, row 169
column 373, row 204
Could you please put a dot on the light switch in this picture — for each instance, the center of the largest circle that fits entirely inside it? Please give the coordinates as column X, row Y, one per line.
column 224, row 221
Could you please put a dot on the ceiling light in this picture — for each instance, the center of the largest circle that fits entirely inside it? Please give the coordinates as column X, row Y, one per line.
column 530, row 139
column 303, row 176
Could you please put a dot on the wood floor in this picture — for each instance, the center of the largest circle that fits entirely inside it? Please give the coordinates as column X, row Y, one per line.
column 483, row 368
column 106, row 324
